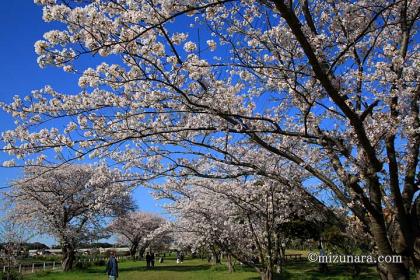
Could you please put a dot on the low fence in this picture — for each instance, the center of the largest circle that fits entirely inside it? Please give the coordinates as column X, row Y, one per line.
column 26, row 268
column 34, row 267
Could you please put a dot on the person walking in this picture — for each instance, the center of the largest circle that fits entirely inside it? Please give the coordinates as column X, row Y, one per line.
column 181, row 257
column 112, row 267
column 152, row 260
column 148, row 259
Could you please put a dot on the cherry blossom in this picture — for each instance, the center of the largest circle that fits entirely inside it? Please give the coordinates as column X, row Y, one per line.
column 138, row 229
column 69, row 203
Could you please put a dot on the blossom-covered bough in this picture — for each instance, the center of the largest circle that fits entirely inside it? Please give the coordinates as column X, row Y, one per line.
column 231, row 88
column 138, row 229
column 69, row 203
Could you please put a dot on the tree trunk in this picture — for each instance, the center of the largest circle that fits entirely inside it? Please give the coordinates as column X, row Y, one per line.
column 388, row 271
column 230, row 265
column 69, row 255
column 416, row 257
column 215, row 257
column 415, row 213
column 141, row 252
column 267, row 274
column 133, row 250
column 281, row 253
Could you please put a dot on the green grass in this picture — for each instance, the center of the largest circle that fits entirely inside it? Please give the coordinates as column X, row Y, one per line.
column 309, row 271
column 197, row 269
column 189, row 270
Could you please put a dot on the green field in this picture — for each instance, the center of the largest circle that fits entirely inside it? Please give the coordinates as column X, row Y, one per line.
column 197, row 269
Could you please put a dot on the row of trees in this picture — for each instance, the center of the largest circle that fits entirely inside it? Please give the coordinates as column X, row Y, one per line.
column 247, row 222
column 255, row 220
column 251, row 221
column 327, row 88
column 73, row 204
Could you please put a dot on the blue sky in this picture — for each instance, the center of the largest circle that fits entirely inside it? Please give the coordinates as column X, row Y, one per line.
column 21, row 26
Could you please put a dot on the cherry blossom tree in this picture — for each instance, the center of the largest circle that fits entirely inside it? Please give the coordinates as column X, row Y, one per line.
column 138, row 230
column 161, row 239
column 242, row 219
column 225, row 88
column 13, row 238
column 69, row 203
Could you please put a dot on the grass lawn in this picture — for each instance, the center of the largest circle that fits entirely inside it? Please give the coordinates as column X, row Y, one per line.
column 189, row 270
column 197, row 269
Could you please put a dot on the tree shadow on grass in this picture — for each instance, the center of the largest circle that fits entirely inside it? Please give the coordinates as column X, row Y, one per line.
column 337, row 271
column 283, row 276
column 157, row 268
column 170, row 268
column 299, row 271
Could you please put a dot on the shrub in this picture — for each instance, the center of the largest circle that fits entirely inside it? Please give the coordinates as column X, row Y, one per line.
column 99, row 263
column 11, row 275
column 82, row 265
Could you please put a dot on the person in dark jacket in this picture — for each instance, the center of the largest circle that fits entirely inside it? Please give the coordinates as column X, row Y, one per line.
column 152, row 259
column 112, row 267
column 148, row 259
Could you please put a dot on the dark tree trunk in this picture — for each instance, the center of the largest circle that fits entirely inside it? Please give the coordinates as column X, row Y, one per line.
column 141, row 252
column 388, row 271
column 281, row 259
column 69, row 256
column 215, row 257
column 392, row 272
column 416, row 257
column 280, row 252
column 133, row 250
column 230, row 265
column 267, row 273
column 415, row 215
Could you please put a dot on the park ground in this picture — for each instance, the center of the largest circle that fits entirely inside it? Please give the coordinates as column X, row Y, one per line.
column 197, row 269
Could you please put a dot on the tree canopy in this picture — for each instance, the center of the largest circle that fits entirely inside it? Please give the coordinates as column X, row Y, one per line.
column 226, row 89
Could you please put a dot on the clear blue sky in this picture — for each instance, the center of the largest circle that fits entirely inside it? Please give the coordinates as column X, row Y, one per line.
column 21, row 26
